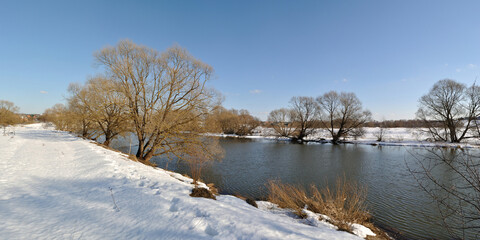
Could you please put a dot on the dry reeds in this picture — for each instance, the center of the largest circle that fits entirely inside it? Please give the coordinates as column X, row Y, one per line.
column 344, row 205
column 287, row 196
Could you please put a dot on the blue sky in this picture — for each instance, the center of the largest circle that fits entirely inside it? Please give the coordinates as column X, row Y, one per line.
column 264, row 52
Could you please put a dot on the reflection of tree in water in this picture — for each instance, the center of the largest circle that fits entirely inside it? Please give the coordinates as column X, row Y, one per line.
column 451, row 177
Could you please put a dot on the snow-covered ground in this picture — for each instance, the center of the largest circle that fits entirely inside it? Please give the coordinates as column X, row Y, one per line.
column 391, row 137
column 57, row 186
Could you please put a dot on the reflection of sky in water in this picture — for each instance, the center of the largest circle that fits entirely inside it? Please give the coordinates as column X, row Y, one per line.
column 393, row 195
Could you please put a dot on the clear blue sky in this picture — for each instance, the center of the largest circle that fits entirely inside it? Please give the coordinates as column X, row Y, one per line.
column 264, row 52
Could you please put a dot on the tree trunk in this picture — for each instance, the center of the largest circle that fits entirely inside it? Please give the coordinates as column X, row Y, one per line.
column 107, row 141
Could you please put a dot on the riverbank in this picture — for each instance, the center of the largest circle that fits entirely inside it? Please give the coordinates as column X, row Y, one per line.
column 55, row 185
column 411, row 137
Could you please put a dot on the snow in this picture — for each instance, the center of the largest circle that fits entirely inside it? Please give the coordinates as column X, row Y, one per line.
column 392, row 137
column 55, row 185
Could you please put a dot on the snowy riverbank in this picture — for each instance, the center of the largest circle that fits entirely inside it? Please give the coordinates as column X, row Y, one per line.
column 55, row 185
column 391, row 137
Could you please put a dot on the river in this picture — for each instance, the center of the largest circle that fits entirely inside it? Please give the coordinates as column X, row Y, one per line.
column 394, row 197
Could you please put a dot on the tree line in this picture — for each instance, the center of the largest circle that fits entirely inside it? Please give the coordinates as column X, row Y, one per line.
column 162, row 98
column 341, row 114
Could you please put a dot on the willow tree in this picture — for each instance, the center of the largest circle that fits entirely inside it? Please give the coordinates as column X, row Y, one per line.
column 282, row 121
column 165, row 94
column 77, row 113
column 450, row 110
column 343, row 114
column 305, row 115
column 100, row 108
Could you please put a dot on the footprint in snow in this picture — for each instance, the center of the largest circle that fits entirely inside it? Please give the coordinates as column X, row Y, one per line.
column 174, row 206
column 201, row 224
column 211, row 231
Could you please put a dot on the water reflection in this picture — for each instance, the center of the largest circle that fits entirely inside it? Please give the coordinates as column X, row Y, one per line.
column 394, row 197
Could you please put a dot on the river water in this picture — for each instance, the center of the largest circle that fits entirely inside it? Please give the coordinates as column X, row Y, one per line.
column 394, row 197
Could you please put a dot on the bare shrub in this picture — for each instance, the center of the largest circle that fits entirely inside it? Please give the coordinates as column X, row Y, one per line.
column 199, row 155
column 451, row 177
column 379, row 134
column 357, row 133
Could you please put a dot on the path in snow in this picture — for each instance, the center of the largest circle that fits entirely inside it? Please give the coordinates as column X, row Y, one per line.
column 55, row 185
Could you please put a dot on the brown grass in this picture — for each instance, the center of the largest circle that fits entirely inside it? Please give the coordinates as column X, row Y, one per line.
column 287, row 196
column 344, row 205
column 202, row 192
column 212, row 188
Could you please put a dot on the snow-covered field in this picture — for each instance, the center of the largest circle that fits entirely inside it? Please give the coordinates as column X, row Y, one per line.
column 57, row 186
column 391, row 137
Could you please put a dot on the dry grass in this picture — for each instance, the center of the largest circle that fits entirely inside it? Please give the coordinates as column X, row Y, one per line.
column 344, row 205
column 287, row 196
column 202, row 192
column 212, row 188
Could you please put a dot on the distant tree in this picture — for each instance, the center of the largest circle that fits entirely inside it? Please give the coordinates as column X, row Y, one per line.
column 59, row 116
column 165, row 94
column 282, row 121
column 343, row 113
column 380, row 132
column 306, row 114
column 449, row 110
column 238, row 122
column 226, row 120
column 211, row 120
column 8, row 114
column 246, row 123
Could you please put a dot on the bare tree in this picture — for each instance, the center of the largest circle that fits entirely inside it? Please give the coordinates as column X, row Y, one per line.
column 165, row 93
column 59, row 116
column 282, row 121
column 306, row 113
column 449, row 109
column 79, row 119
column 234, row 121
column 104, row 108
column 246, row 123
column 197, row 157
column 380, row 133
column 451, row 177
column 343, row 113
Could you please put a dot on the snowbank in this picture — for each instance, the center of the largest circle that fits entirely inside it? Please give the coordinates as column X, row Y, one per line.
column 391, row 137
column 55, row 185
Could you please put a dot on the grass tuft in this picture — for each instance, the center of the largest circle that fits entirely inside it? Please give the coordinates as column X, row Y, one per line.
column 345, row 204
